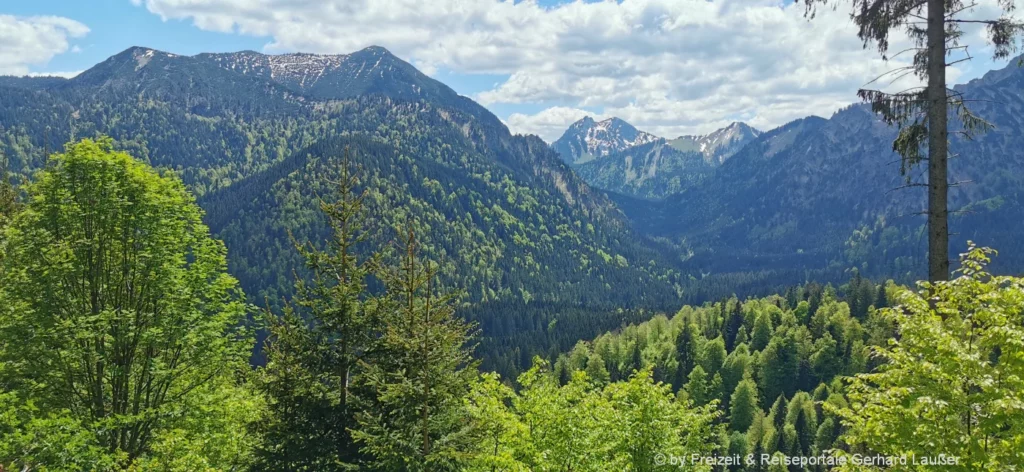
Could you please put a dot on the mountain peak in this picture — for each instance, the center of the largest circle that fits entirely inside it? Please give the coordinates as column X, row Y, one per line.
column 718, row 145
column 374, row 49
column 586, row 140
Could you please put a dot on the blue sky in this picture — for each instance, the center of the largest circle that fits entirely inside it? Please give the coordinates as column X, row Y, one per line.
column 670, row 67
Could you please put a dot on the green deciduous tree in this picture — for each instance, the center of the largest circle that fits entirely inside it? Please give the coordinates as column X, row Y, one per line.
column 954, row 381
column 744, row 405
column 123, row 339
column 580, row 426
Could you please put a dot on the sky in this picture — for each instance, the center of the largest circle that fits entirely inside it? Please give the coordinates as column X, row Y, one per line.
column 669, row 67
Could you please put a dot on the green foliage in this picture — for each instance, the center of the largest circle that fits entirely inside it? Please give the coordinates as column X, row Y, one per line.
column 951, row 381
column 743, row 406
column 314, row 348
column 581, row 426
column 803, row 350
column 420, row 373
column 121, row 334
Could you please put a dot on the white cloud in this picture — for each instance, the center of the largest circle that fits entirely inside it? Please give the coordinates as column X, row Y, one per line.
column 668, row 66
column 549, row 124
column 29, row 41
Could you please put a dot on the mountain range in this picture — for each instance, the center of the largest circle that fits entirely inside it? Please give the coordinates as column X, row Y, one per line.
column 828, row 194
column 606, row 219
column 613, row 155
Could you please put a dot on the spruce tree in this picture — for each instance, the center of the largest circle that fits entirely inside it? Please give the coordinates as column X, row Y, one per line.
column 314, row 348
column 686, row 354
column 411, row 418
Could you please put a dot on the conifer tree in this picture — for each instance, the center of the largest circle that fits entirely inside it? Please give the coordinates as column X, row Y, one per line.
column 698, row 387
column 314, row 348
column 713, row 355
column 8, row 195
column 686, row 354
column 757, row 436
column 762, row 332
column 596, row 370
column 411, row 420
column 780, row 367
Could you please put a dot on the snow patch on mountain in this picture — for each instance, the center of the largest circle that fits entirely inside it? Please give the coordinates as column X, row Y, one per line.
column 718, row 145
column 586, row 139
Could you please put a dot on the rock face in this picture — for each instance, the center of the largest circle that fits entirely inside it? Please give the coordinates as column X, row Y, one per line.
column 649, row 171
column 586, row 139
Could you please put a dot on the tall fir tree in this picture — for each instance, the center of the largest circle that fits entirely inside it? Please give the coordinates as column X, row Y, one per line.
column 314, row 347
column 411, row 420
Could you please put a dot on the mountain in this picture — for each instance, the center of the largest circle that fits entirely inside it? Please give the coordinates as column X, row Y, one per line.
column 720, row 144
column 827, row 194
column 649, row 171
column 586, row 139
column 660, row 168
column 258, row 137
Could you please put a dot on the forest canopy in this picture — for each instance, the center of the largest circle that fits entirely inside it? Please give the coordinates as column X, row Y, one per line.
column 124, row 345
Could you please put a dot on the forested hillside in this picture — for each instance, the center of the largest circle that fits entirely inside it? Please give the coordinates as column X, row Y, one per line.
column 649, row 171
column 123, row 346
column 258, row 137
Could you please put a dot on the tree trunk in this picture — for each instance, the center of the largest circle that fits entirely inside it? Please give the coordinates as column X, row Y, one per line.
column 938, row 185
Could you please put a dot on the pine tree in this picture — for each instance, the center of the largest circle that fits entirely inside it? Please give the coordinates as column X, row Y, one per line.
column 423, row 369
